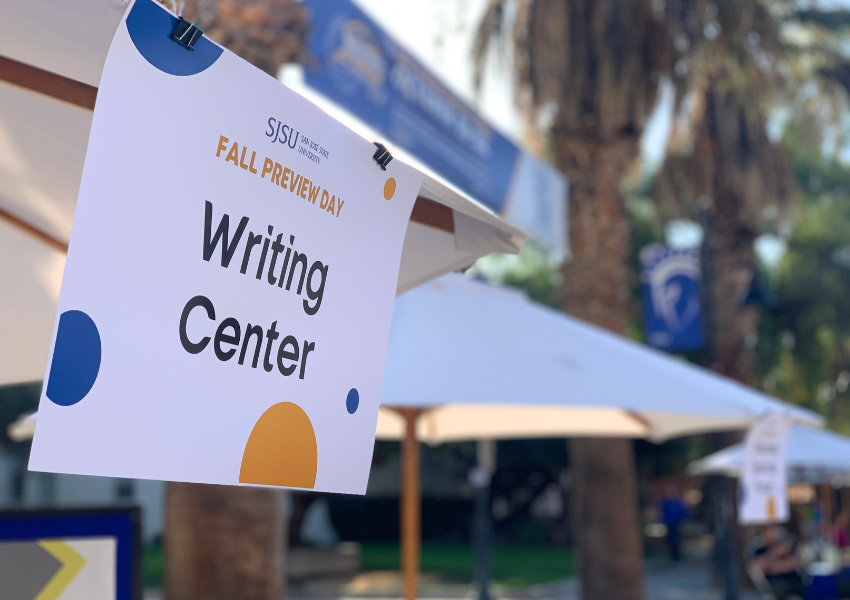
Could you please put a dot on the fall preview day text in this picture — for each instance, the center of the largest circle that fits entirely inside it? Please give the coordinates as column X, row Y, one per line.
column 293, row 274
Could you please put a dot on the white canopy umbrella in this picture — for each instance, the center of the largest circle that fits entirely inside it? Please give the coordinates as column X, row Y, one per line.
column 812, row 456
column 485, row 362
column 51, row 57
column 23, row 428
column 470, row 361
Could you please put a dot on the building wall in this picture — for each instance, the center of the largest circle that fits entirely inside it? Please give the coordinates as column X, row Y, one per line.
column 49, row 490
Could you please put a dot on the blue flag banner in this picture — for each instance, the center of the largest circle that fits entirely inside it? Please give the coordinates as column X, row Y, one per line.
column 672, row 307
column 354, row 63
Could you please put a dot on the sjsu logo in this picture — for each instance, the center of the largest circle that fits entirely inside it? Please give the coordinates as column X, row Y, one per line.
column 286, row 135
column 281, row 133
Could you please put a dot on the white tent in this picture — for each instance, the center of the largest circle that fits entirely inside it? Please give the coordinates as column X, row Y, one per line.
column 812, row 456
column 51, row 57
column 484, row 362
column 23, row 428
column 470, row 361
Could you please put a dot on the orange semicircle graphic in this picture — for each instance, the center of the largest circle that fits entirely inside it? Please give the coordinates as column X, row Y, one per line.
column 281, row 449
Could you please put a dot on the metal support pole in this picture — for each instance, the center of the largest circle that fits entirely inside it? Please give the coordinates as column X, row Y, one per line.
column 482, row 527
column 724, row 536
column 707, row 284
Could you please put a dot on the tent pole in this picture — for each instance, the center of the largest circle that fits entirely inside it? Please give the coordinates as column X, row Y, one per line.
column 47, row 83
column 482, row 526
column 32, row 230
column 411, row 519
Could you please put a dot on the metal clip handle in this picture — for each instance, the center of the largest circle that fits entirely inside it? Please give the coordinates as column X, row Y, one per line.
column 382, row 156
column 186, row 34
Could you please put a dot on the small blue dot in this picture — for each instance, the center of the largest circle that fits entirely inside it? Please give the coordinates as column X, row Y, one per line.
column 352, row 401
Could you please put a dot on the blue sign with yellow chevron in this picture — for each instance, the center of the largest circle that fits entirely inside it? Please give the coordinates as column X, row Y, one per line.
column 70, row 555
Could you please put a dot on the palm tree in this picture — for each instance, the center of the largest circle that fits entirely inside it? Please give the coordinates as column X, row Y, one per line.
column 225, row 542
column 720, row 159
column 597, row 63
column 266, row 33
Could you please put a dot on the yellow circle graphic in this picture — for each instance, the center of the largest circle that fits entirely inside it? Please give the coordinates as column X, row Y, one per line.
column 281, row 449
column 389, row 188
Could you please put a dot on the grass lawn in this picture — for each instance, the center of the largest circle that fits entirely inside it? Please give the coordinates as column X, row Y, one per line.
column 152, row 567
column 513, row 566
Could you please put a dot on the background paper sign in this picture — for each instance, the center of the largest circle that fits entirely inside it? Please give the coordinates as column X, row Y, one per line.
column 670, row 288
column 762, row 489
column 229, row 288
column 358, row 66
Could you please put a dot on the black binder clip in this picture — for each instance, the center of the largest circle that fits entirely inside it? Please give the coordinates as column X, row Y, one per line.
column 382, row 156
column 186, row 34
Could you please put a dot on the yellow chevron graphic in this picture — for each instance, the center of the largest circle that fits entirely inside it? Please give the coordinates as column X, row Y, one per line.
column 71, row 564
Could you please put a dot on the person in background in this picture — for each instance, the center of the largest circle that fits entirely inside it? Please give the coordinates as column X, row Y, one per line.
column 674, row 512
column 773, row 552
column 838, row 532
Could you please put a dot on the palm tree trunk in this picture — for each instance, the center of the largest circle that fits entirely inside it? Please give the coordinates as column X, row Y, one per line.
column 734, row 264
column 605, row 518
column 748, row 175
column 597, row 279
column 224, row 542
column 597, row 288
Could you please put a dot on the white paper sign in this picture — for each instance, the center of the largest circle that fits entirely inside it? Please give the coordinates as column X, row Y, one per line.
column 227, row 299
column 762, row 489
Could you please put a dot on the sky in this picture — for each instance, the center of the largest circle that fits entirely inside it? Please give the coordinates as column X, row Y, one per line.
column 441, row 35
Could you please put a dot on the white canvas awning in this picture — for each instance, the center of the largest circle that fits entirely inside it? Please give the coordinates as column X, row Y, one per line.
column 484, row 362
column 23, row 428
column 51, row 57
column 812, row 456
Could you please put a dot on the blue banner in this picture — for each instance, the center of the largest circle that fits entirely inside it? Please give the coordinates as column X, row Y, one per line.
column 357, row 65
column 672, row 307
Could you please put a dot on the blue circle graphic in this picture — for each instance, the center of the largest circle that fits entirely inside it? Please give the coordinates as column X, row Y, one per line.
column 76, row 359
column 352, row 401
column 150, row 27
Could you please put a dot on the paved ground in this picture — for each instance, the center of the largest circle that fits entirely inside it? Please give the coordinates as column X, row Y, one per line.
column 687, row 581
